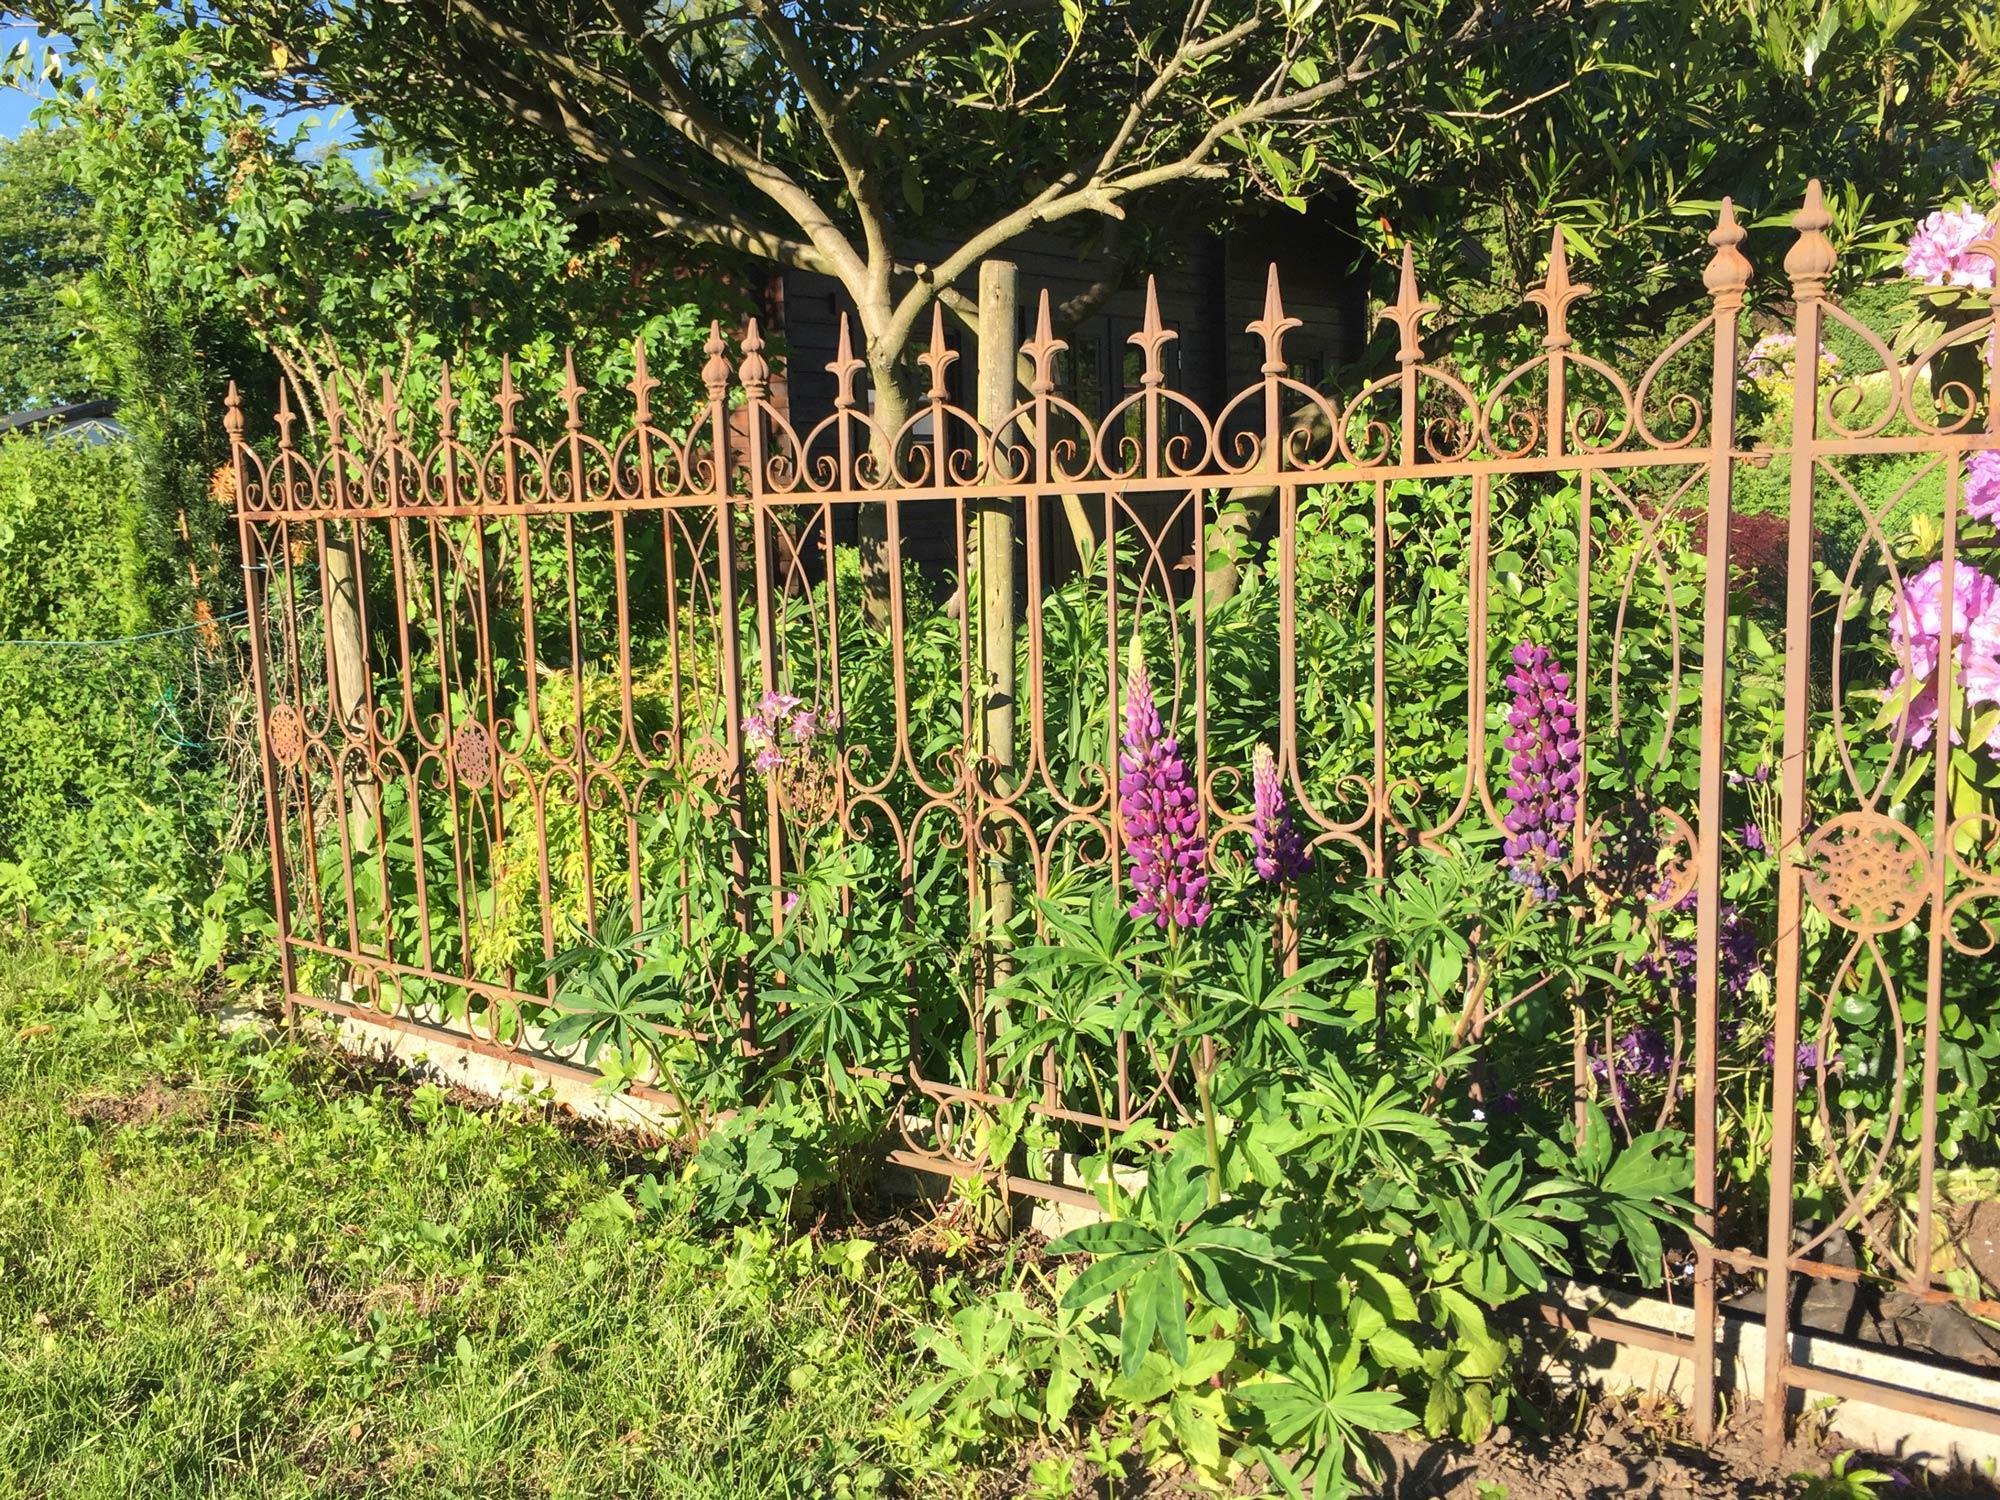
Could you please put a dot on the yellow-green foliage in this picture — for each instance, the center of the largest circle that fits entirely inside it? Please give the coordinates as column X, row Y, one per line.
column 627, row 803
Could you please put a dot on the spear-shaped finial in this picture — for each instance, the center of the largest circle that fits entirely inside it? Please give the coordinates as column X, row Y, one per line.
column 1274, row 324
column 572, row 393
column 1153, row 337
column 1557, row 292
column 642, row 383
column 507, row 398
column 446, row 405
column 232, row 414
column 940, row 357
column 1408, row 311
column 1043, row 348
column 285, row 416
column 844, row 367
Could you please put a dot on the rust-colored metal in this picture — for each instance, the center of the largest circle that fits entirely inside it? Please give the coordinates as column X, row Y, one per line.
column 584, row 628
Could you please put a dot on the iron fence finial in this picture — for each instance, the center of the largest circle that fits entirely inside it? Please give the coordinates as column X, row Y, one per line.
column 1408, row 311
column 1153, row 337
column 843, row 368
column 507, row 398
column 642, row 384
column 755, row 371
column 1811, row 259
column 232, row 414
column 715, row 369
column 1557, row 293
column 1274, row 324
column 940, row 357
column 1728, row 273
column 572, row 393
column 1043, row 348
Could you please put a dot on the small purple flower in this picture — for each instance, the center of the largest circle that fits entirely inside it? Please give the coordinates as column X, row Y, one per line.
column 1739, row 956
column 1753, row 837
column 1161, row 815
column 1506, row 1102
column 1546, row 762
column 1807, row 1061
column 1278, row 852
column 767, row 760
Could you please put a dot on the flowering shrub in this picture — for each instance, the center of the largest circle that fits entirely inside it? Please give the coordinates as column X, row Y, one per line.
column 1940, row 254
column 1916, row 626
column 1982, row 485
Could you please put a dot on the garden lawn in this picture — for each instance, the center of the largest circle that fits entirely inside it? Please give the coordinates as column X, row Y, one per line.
column 233, row 1267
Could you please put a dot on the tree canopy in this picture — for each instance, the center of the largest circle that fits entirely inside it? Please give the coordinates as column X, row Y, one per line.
column 893, row 143
column 48, row 242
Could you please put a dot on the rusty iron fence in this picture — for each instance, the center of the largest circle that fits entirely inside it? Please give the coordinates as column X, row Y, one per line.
column 498, row 676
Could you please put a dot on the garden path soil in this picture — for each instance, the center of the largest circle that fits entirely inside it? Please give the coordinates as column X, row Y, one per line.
column 1627, row 1450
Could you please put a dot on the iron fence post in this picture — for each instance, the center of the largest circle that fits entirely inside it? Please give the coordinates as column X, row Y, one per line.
column 1727, row 278
column 1809, row 262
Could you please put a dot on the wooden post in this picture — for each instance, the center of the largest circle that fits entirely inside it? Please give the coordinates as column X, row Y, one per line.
column 999, row 333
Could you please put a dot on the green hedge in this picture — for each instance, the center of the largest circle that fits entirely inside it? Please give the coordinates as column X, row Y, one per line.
column 112, row 804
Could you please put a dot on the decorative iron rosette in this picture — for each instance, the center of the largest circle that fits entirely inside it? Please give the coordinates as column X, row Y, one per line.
column 285, row 732
column 472, row 753
column 1867, row 873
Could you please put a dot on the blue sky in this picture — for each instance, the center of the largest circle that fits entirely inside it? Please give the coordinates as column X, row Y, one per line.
column 16, row 104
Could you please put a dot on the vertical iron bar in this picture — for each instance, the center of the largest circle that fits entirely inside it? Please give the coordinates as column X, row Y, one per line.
column 1727, row 277
column 1809, row 262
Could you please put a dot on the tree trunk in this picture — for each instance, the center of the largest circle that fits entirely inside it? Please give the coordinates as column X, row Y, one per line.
column 894, row 401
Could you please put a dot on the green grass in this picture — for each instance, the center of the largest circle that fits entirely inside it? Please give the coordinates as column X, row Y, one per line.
column 230, row 1267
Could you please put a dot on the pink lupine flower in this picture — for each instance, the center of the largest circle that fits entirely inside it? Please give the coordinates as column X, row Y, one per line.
column 1546, row 759
column 1940, row 253
column 1278, row 854
column 1161, row 816
column 1982, row 485
column 1916, row 628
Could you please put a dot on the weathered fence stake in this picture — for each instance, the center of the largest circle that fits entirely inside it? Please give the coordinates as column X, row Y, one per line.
column 999, row 333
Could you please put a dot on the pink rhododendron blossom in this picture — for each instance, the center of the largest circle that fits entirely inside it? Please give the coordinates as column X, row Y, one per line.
column 1916, row 628
column 1940, row 252
column 1982, row 485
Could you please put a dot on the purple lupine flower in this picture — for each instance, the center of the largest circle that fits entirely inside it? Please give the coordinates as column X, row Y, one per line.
column 1940, row 250
column 1916, row 627
column 1277, row 851
column 1545, row 759
column 1982, row 485
column 1161, row 815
